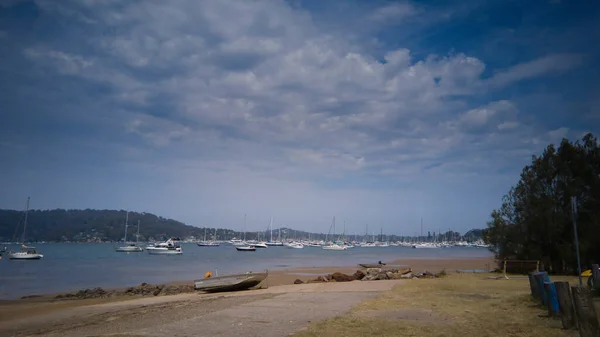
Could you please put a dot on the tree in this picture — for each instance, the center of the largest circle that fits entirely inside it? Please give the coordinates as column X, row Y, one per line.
column 535, row 220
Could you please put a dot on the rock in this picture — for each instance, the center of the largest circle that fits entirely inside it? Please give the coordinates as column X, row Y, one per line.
column 298, row 281
column 389, row 275
column 442, row 273
column 341, row 277
column 407, row 275
column 373, row 271
column 358, row 275
column 405, row 271
column 382, row 276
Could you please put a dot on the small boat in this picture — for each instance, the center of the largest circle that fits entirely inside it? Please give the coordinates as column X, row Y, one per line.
column 230, row 282
column 26, row 253
column 131, row 248
column 335, row 247
column 371, row 265
column 295, row 245
column 260, row 245
column 170, row 247
column 245, row 248
column 208, row 244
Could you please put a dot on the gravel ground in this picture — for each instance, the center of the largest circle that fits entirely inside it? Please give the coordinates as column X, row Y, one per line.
column 277, row 311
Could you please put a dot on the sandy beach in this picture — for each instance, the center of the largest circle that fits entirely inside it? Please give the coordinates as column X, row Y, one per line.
column 279, row 310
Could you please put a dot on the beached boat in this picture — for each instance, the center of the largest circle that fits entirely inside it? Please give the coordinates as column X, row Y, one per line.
column 245, row 248
column 230, row 282
column 170, row 247
column 26, row 253
column 371, row 265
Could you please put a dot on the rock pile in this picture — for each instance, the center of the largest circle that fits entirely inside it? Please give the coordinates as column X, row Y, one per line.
column 143, row 289
column 373, row 274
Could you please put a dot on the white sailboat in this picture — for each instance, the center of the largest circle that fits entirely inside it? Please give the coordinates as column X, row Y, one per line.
column 271, row 242
column 211, row 243
column 130, row 248
column 26, row 253
column 245, row 247
column 333, row 245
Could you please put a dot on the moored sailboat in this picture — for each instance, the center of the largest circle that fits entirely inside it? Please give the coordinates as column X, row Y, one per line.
column 26, row 253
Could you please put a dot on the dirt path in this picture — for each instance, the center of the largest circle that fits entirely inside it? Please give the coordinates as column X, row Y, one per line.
column 277, row 311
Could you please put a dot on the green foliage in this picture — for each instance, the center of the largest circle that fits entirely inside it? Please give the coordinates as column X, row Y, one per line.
column 94, row 225
column 535, row 219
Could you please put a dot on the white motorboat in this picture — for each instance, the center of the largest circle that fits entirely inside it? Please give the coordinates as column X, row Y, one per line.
column 260, row 245
column 295, row 245
column 26, row 253
column 170, row 247
column 245, row 248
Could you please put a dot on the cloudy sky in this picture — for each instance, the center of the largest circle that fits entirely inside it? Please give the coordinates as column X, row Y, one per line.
column 378, row 112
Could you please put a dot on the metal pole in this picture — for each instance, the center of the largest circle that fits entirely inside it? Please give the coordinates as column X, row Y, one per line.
column 574, row 214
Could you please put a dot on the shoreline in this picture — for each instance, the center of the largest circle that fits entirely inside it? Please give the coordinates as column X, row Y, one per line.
column 280, row 276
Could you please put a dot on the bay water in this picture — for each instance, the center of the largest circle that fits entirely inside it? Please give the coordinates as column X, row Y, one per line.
column 72, row 267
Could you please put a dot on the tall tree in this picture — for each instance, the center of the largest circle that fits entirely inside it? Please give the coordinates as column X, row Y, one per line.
column 535, row 219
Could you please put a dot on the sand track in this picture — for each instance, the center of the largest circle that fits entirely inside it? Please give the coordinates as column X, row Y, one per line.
column 277, row 311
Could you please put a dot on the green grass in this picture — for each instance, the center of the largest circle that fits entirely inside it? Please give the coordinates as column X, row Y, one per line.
column 458, row 305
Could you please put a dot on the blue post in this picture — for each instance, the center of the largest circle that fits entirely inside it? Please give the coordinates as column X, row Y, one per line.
column 552, row 298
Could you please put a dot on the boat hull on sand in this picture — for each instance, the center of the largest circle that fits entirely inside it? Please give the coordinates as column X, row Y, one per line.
column 230, row 282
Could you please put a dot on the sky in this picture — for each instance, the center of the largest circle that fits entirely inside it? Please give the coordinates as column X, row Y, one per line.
column 375, row 112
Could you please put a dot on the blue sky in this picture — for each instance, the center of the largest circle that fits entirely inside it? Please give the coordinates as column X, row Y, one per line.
column 378, row 112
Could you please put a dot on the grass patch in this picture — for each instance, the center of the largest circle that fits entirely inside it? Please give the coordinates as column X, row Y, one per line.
column 456, row 306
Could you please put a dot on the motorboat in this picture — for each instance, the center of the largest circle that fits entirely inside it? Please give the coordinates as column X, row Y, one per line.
column 230, row 282
column 260, row 245
column 245, row 248
column 295, row 245
column 170, row 247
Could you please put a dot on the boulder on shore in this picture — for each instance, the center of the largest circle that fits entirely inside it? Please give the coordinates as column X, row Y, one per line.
column 298, row 281
column 144, row 289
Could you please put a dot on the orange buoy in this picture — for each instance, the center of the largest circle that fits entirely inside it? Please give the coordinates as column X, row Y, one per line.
column 208, row 274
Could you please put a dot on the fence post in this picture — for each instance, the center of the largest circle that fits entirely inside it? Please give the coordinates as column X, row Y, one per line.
column 565, row 304
column 540, row 277
column 586, row 312
column 595, row 277
column 552, row 300
column 533, row 286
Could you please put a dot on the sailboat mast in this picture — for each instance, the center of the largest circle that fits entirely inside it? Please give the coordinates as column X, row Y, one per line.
column 126, row 221
column 25, row 223
column 271, row 229
column 137, row 236
column 244, row 226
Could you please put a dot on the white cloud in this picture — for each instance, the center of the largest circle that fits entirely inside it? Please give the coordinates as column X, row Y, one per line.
column 257, row 92
column 548, row 65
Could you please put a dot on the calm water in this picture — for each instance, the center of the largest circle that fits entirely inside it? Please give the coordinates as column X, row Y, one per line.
column 70, row 267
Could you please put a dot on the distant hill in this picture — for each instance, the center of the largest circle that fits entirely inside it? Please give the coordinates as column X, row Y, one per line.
column 91, row 226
